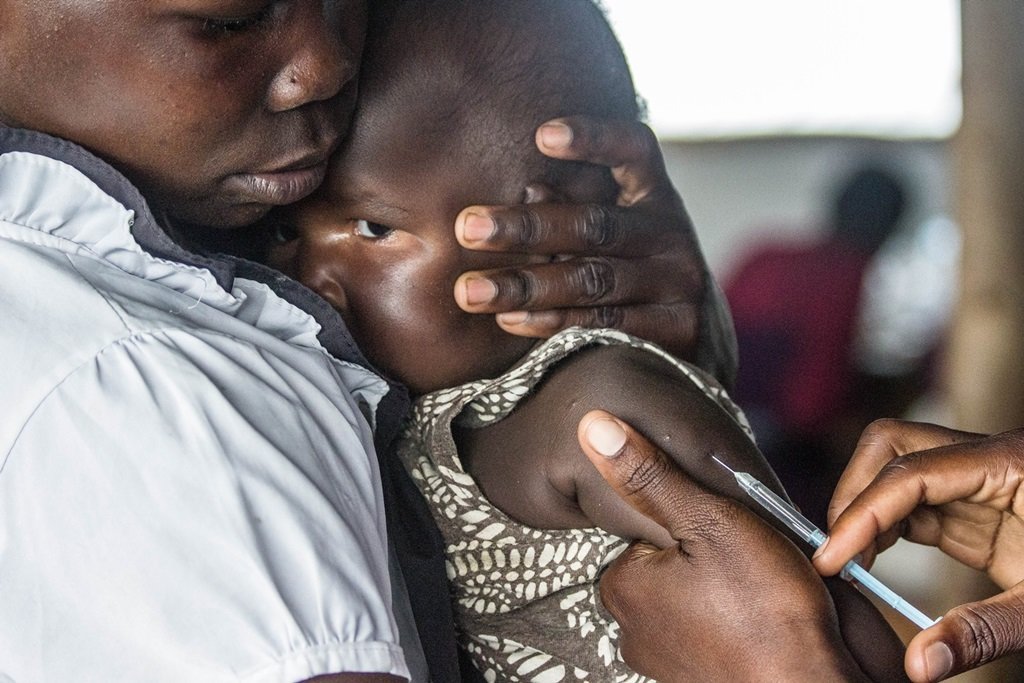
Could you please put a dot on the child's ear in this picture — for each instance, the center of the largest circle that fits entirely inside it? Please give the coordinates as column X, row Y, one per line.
column 535, row 193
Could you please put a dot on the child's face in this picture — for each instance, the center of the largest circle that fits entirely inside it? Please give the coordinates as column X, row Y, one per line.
column 378, row 243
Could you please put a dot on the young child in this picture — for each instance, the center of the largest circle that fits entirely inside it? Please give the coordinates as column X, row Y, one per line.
column 458, row 88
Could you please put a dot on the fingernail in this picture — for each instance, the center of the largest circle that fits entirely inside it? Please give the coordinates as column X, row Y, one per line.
column 477, row 227
column 606, row 437
column 820, row 550
column 938, row 661
column 513, row 317
column 555, row 135
column 479, row 291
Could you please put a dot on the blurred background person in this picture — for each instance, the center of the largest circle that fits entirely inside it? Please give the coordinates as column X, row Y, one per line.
column 796, row 304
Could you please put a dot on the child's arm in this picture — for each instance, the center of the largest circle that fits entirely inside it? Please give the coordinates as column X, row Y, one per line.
column 530, row 464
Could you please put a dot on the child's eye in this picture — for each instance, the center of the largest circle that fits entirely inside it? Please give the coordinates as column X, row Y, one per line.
column 371, row 230
column 282, row 233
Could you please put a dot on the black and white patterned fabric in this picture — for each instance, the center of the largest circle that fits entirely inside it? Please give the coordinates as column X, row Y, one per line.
column 526, row 599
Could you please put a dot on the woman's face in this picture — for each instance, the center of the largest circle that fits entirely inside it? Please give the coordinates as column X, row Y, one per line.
column 216, row 109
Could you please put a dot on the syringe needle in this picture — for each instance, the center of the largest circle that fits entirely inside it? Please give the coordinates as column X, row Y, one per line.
column 715, row 458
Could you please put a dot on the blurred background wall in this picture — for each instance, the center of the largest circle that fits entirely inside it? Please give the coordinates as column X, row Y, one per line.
column 931, row 90
column 739, row 190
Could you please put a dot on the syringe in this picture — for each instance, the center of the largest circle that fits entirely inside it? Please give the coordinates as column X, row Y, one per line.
column 805, row 529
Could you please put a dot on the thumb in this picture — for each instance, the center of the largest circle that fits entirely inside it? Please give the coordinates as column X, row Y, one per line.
column 968, row 636
column 645, row 477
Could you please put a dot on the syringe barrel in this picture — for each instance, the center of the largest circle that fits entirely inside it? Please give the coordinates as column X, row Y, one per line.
column 781, row 510
column 887, row 595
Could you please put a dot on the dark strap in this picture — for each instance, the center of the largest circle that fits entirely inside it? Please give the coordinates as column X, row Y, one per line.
column 420, row 551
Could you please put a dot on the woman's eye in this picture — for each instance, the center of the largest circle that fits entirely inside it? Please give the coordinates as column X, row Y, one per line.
column 228, row 26
column 371, row 230
column 282, row 233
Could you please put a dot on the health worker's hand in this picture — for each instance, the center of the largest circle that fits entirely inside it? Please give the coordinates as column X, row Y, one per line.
column 957, row 491
column 636, row 266
column 734, row 600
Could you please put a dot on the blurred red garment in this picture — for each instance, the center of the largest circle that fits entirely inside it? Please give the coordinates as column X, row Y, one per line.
column 795, row 306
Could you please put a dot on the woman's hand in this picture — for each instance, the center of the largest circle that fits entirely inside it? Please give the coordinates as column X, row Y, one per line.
column 636, row 266
column 733, row 600
column 958, row 491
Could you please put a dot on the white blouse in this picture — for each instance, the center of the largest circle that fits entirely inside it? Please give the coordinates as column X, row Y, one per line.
column 188, row 487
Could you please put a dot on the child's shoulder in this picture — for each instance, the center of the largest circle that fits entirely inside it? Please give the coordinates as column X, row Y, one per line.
column 535, row 444
column 582, row 370
column 600, row 370
column 530, row 464
column 614, row 368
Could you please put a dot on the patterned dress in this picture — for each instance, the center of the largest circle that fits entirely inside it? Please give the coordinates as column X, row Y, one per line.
column 526, row 599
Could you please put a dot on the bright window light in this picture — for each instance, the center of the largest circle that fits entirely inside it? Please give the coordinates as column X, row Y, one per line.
column 724, row 68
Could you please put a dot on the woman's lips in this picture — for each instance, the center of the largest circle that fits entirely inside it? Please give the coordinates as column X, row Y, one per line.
column 278, row 187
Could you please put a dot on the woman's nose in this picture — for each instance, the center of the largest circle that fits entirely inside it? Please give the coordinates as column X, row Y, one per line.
column 318, row 61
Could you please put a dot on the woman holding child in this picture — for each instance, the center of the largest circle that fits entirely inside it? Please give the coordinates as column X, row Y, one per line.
column 187, row 434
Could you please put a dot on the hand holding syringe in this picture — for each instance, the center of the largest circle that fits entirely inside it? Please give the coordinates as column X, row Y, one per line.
column 805, row 529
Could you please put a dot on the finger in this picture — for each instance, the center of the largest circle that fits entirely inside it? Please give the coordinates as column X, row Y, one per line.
column 576, row 282
column 938, row 476
column 629, row 148
column 651, row 483
column 626, row 589
column 625, row 571
column 638, row 571
column 882, row 441
column 566, row 228
column 676, row 326
column 968, row 636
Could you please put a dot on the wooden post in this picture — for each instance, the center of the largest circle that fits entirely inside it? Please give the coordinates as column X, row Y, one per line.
column 985, row 362
column 985, row 371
